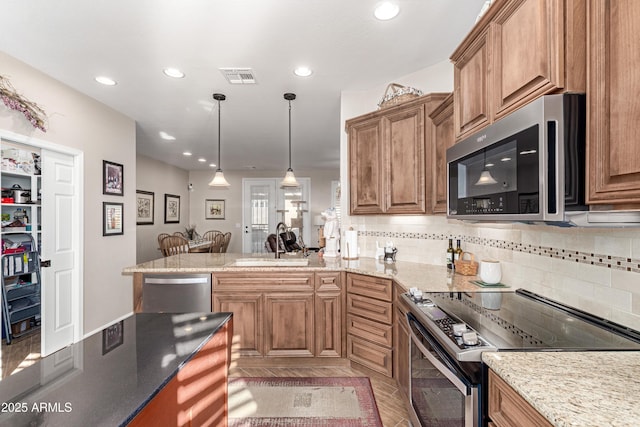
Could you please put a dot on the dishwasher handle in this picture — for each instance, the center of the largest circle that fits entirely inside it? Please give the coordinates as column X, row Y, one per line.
column 174, row 280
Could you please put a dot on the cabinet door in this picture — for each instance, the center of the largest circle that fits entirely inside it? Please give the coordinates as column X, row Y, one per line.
column 329, row 307
column 329, row 314
column 442, row 138
column 247, row 320
column 289, row 324
column 404, row 166
column 471, row 80
column 613, row 112
column 365, row 161
column 528, row 52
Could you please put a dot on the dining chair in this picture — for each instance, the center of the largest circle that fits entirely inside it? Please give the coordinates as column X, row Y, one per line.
column 172, row 245
column 211, row 234
column 179, row 233
column 217, row 243
column 160, row 237
column 227, row 239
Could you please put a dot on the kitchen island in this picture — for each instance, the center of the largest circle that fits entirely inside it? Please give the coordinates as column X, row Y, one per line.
column 426, row 277
column 170, row 368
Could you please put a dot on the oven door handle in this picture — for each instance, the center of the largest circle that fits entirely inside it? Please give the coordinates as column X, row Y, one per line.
column 445, row 368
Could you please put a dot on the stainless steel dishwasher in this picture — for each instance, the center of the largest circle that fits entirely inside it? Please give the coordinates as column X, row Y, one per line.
column 176, row 293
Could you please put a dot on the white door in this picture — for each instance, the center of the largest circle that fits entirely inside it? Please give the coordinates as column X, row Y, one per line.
column 259, row 213
column 60, row 225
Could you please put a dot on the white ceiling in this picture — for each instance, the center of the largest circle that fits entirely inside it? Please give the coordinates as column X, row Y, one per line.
column 132, row 41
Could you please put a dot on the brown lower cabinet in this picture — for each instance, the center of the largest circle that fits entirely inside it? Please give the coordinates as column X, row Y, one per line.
column 508, row 409
column 284, row 313
column 370, row 322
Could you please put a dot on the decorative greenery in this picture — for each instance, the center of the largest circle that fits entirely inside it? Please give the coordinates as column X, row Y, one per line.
column 191, row 232
column 13, row 100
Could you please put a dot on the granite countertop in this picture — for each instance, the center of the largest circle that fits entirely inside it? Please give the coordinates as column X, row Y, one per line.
column 426, row 277
column 107, row 378
column 574, row 388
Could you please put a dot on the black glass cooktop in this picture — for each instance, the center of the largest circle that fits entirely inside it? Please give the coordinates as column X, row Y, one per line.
column 525, row 321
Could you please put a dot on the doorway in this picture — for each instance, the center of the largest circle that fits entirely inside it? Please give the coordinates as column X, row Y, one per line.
column 61, row 241
column 265, row 204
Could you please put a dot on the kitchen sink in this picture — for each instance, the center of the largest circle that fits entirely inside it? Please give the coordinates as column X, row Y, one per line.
column 271, row 262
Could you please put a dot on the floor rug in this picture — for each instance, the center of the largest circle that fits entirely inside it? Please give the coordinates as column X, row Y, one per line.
column 302, row 402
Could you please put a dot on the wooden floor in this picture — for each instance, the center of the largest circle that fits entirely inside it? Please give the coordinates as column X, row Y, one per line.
column 22, row 352
column 390, row 404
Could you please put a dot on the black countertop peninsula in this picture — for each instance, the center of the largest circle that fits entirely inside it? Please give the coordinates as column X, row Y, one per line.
column 107, row 378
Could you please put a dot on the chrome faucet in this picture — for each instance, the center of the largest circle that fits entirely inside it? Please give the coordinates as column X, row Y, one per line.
column 278, row 238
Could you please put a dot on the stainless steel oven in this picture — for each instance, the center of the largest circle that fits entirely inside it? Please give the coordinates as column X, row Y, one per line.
column 442, row 394
column 450, row 331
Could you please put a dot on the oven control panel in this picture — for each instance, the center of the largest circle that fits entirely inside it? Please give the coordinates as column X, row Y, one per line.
column 464, row 342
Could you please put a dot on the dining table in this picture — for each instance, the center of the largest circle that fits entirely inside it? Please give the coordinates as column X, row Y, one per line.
column 200, row 245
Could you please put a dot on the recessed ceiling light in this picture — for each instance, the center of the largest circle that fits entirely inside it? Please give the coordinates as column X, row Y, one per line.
column 106, row 81
column 386, row 10
column 173, row 72
column 212, row 165
column 166, row 136
column 303, row 71
column 202, row 159
column 186, row 153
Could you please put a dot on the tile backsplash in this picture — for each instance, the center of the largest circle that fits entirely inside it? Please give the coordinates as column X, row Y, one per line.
column 596, row 270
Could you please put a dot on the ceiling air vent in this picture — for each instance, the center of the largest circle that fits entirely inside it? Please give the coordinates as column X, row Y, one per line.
column 239, row 76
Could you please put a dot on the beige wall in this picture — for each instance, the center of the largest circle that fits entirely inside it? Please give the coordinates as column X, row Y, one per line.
column 593, row 269
column 160, row 178
column 101, row 133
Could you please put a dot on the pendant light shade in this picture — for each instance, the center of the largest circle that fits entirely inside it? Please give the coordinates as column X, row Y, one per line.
column 289, row 178
column 485, row 176
column 219, row 179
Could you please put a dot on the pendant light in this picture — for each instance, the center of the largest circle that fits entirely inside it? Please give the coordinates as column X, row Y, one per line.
column 289, row 178
column 218, row 179
column 485, row 175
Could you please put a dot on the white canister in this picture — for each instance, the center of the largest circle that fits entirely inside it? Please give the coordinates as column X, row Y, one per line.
column 490, row 271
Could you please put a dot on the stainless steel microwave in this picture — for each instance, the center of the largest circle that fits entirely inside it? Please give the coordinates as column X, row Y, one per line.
column 528, row 166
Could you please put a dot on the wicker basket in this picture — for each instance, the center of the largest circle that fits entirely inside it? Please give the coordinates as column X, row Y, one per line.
column 466, row 267
column 396, row 94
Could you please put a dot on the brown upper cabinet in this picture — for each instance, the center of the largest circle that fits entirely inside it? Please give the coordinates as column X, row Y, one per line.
column 518, row 51
column 389, row 155
column 613, row 109
column 442, row 135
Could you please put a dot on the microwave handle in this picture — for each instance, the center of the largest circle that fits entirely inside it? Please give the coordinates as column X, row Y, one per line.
column 554, row 189
column 446, row 370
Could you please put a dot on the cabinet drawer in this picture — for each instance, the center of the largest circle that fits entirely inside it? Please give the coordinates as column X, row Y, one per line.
column 370, row 355
column 370, row 308
column 328, row 282
column 379, row 333
column 278, row 281
column 374, row 287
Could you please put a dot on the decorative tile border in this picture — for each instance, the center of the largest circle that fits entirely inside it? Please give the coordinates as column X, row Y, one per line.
column 608, row 261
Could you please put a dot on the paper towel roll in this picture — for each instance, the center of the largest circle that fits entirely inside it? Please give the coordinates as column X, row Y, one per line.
column 350, row 244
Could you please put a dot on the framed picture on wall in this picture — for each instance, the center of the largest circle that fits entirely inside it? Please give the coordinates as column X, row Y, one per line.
column 112, row 218
column 171, row 208
column 144, row 207
column 213, row 209
column 112, row 178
